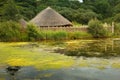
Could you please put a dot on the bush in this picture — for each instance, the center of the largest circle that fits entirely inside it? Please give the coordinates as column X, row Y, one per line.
column 96, row 29
column 32, row 32
column 10, row 31
column 117, row 29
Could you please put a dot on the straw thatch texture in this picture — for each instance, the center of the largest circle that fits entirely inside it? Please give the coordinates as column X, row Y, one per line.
column 23, row 23
column 50, row 18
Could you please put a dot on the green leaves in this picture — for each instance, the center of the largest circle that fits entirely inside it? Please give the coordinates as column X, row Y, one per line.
column 96, row 29
column 10, row 11
column 9, row 31
column 71, row 9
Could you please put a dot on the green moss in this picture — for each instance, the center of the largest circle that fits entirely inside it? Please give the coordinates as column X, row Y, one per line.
column 116, row 65
column 24, row 57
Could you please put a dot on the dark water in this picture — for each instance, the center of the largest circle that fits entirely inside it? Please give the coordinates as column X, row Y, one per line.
column 30, row 73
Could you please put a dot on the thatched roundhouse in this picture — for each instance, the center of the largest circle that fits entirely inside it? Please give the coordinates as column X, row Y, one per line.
column 23, row 23
column 50, row 18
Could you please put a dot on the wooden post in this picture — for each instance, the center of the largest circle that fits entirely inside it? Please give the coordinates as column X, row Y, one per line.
column 105, row 47
column 112, row 45
column 112, row 27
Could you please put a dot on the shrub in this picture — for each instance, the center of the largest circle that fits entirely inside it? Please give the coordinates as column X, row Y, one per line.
column 32, row 32
column 117, row 29
column 96, row 29
column 10, row 31
column 24, row 36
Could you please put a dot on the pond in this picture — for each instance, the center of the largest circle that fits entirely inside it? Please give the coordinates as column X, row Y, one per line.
column 49, row 61
column 30, row 73
column 93, row 48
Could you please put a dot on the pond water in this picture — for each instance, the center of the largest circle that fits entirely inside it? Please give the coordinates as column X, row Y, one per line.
column 30, row 73
column 93, row 48
column 39, row 61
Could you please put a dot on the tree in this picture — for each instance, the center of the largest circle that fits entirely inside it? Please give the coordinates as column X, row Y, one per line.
column 10, row 11
column 71, row 9
column 116, row 18
column 27, row 8
column 84, row 16
column 103, row 7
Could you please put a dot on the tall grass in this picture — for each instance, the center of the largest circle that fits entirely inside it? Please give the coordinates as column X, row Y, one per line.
column 12, row 31
column 78, row 35
column 63, row 35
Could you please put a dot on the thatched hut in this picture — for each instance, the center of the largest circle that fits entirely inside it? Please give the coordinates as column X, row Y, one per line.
column 23, row 23
column 50, row 18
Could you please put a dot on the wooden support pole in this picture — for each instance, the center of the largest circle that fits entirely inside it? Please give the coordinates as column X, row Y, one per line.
column 112, row 27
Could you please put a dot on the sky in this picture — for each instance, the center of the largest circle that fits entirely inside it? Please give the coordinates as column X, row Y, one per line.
column 80, row 0
column 77, row 0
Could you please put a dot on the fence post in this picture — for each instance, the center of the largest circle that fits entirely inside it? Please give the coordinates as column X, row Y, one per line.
column 112, row 27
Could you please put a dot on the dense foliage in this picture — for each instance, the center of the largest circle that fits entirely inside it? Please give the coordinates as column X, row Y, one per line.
column 117, row 29
column 96, row 29
column 32, row 32
column 10, row 31
column 12, row 11
column 104, row 10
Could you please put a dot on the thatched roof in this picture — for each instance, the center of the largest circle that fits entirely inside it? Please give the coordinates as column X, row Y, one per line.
column 23, row 23
column 50, row 18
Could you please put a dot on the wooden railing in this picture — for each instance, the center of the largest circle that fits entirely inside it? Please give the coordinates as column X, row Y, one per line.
column 84, row 29
column 74, row 28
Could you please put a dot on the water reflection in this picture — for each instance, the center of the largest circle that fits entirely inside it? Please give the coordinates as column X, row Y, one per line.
column 98, row 48
column 30, row 73
column 12, row 71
